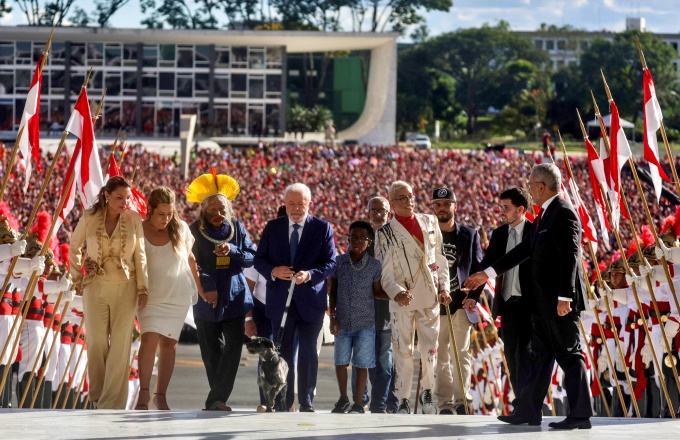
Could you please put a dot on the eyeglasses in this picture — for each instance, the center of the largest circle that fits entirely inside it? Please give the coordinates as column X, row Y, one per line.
column 378, row 211
column 354, row 238
column 405, row 199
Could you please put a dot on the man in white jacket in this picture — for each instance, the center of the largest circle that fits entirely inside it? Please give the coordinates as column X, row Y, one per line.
column 416, row 278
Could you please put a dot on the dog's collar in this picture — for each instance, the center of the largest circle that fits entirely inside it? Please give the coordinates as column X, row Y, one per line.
column 274, row 357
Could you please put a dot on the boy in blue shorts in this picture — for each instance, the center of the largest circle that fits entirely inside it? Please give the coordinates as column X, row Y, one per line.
column 354, row 283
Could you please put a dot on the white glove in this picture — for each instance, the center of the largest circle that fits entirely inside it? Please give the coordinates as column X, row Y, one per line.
column 644, row 270
column 592, row 304
column 646, row 353
column 618, row 363
column 633, row 279
column 674, row 255
column 37, row 264
column 68, row 295
column 17, row 248
column 602, row 363
column 661, row 251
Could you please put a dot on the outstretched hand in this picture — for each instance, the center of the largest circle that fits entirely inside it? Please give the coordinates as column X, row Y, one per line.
column 475, row 280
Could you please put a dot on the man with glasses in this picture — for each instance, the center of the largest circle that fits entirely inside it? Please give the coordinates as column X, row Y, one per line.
column 463, row 252
column 383, row 398
column 415, row 276
column 512, row 301
column 554, row 250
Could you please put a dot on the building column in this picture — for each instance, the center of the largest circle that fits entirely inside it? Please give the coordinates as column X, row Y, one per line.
column 140, row 71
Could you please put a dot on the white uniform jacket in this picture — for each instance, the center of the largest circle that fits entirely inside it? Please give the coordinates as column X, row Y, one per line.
column 407, row 266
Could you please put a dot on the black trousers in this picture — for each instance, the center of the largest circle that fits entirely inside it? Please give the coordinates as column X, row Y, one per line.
column 6, row 395
column 300, row 337
column 221, row 344
column 556, row 340
column 516, row 334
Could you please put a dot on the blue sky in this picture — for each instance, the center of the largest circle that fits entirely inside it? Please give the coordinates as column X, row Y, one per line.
column 662, row 16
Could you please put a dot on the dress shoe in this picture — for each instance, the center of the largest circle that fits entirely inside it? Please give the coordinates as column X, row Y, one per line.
column 516, row 419
column 306, row 408
column 572, row 423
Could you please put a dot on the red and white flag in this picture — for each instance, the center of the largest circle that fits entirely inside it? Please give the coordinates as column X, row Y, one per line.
column 29, row 143
column 598, row 183
column 88, row 169
column 620, row 153
column 138, row 201
column 71, row 196
column 586, row 222
column 653, row 118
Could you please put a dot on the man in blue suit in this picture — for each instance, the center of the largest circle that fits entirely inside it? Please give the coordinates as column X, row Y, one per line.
column 298, row 246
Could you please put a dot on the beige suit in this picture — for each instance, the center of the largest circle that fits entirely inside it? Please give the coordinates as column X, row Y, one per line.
column 421, row 269
column 110, row 299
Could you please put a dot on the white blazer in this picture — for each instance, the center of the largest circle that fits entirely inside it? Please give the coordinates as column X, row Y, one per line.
column 405, row 266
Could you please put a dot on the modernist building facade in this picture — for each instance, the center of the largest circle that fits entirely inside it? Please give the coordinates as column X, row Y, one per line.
column 235, row 81
column 565, row 47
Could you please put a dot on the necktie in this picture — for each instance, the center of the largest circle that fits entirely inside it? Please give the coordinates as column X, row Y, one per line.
column 538, row 217
column 294, row 240
column 509, row 280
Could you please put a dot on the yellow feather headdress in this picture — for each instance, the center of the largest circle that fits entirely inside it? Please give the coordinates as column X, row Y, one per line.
column 208, row 185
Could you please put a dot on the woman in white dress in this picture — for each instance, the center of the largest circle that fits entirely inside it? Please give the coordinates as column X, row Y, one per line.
column 173, row 288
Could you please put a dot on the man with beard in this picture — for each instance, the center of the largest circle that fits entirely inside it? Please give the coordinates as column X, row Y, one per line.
column 512, row 301
column 463, row 254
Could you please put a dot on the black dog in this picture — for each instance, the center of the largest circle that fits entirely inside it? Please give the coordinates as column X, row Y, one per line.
column 273, row 371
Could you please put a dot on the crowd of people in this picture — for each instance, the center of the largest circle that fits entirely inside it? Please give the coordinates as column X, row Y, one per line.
column 343, row 178
column 447, row 208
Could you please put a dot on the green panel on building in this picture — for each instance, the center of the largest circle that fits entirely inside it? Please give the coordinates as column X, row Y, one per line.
column 348, row 85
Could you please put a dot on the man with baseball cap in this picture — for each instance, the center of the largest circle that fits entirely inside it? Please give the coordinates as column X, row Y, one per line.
column 463, row 253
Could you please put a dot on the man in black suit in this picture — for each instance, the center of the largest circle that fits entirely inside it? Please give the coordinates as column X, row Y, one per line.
column 553, row 247
column 512, row 301
column 463, row 253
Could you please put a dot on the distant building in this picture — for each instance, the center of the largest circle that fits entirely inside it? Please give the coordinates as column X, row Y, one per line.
column 235, row 81
column 566, row 46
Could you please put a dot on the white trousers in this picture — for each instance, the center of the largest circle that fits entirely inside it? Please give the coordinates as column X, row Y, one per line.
column 404, row 326
column 31, row 337
column 449, row 390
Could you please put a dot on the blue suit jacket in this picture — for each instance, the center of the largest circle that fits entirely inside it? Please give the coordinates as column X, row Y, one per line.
column 315, row 253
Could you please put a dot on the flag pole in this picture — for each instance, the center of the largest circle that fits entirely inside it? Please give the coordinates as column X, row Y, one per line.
column 15, row 149
column 113, row 151
column 49, row 354
column 671, row 160
column 38, row 200
column 629, row 272
column 609, row 311
column 657, row 240
column 664, row 264
column 20, row 319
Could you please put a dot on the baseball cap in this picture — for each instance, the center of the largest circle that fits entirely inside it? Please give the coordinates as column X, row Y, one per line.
column 443, row 194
